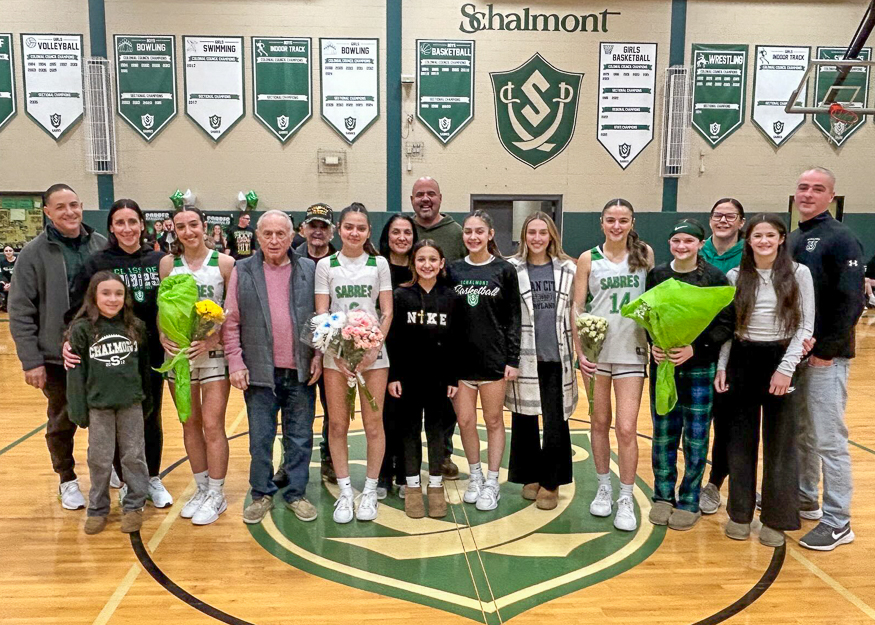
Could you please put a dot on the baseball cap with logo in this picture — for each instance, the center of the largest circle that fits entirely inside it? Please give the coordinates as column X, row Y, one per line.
column 320, row 212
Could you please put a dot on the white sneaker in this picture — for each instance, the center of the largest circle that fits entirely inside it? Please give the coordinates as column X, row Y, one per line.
column 194, row 503
column 402, row 491
column 472, row 493
column 489, row 496
column 114, row 480
column 382, row 492
column 122, row 493
column 343, row 508
column 214, row 504
column 70, row 495
column 812, row 515
column 367, row 510
column 602, row 504
column 158, row 495
column 625, row 519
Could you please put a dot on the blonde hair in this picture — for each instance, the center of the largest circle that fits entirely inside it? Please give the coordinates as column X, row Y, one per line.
column 554, row 248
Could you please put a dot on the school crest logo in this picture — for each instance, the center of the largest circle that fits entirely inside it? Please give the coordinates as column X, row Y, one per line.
column 215, row 121
column 715, row 129
column 444, row 124
column 778, row 127
column 535, row 110
column 625, row 150
column 444, row 562
column 148, row 121
column 55, row 119
column 282, row 122
column 811, row 245
column 349, row 123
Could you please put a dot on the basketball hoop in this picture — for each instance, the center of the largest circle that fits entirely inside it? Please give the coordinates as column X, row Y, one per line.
column 840, row 121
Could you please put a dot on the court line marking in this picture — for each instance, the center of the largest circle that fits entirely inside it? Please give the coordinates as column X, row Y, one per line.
column 832, row 583
column 128, row 581
column 22, row 439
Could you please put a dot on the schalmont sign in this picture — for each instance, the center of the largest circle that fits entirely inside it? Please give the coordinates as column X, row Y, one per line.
column 490, row 19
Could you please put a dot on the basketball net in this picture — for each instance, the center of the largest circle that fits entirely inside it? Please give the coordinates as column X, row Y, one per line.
column 840, row 121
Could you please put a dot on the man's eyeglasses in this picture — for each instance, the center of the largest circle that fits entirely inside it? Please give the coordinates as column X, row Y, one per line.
column 730, row 218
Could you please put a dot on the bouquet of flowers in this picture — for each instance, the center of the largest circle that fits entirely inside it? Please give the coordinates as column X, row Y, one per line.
column 592, row 331
column 348, row 337
column 209, row 317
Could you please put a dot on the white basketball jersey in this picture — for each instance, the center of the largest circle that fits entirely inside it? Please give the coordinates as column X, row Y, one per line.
column 210, row 283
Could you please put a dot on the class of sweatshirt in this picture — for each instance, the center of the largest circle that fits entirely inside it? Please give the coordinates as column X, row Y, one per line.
column 114, row 372
column 835, row 258
column 490, row 318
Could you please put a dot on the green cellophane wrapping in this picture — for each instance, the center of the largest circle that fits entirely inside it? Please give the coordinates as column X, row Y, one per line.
column 675, row 314
column 177, row 296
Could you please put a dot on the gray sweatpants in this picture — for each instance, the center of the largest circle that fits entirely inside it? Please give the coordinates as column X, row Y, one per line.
column 104, row 428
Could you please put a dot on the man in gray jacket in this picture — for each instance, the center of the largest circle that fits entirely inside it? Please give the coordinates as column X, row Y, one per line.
column 38, row 298
column 270, row 300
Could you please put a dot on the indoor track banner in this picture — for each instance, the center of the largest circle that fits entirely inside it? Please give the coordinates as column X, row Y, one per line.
column 350, row 84
column 627, row 86
column 146, row 81
column 445, row 88
column 52, row 70
column 853, row 93
column 777, row 73
column 719, row 88
column 282, row 85
column 214, row 83
column 7, row 80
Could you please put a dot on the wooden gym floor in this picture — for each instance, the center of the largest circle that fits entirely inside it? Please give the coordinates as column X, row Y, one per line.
column 520, row 563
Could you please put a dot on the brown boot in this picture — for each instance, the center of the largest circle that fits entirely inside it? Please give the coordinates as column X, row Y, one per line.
column 132, row 521
column 547, row 499
column 437, row 502
column 530, row 491
column 449, row 469
column 95, row 524
column 414, row 505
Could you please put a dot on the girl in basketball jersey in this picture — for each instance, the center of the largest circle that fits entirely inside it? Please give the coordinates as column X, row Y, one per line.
column 204, row 433
column 490, row 350
column 356, row 277
column 613, row 275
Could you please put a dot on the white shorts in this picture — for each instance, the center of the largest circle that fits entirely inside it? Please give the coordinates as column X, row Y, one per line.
column 475, row 384
column 615, row 371
column 207, row 368
column 382, row 362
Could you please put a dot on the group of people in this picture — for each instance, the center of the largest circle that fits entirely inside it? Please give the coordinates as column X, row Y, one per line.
column 461, row 323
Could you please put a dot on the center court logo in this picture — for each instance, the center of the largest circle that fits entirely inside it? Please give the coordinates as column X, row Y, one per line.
column 499, row 563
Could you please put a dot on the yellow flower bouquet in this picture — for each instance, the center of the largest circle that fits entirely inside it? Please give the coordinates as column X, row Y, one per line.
column 209, row 317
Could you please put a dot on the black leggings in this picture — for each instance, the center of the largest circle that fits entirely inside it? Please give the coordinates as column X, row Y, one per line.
column 420, row 397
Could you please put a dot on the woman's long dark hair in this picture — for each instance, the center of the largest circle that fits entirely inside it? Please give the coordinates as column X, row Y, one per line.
column 783, row 278
column 442, row 274
column 358, row 207
column 384, row 236
column 90, row 311
column 634, row 245
column 116, row 207
column 482, row 215
column 177, row 248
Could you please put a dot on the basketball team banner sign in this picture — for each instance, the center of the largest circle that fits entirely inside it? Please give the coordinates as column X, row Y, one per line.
column 719, row 90
column 282, row 85
column 854, row 93
column 445, row 89
column 214, row 83
column 778, row 71
column 52, row 69
column 535, row 110
column 350, row 84
column 145, row 69
column 7, row 80
column 627, row 84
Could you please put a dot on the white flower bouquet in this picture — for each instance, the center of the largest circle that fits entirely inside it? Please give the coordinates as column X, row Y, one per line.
column 592, row 331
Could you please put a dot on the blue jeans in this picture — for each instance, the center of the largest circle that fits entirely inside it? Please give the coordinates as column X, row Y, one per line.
column 297, row 403
column 819, row 403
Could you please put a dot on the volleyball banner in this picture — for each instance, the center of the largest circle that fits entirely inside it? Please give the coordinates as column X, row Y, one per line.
column 52, row 70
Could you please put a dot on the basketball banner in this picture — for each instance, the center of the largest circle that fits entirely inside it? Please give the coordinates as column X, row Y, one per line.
column 445, row 86
column 777, row 72
column 214, row 83
column 627, row 86
column 145, row 69
column 350, row 72
column 719, row 89
column 7, row 80
column 853, row 93
column 52, row 70
column 282, row 85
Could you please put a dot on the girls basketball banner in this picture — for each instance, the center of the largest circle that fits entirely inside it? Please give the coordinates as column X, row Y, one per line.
column 853, row 93
column 445, row 89
column 214, row 83
column 719, row 89
column 282, row 85
column 52, row 70
column 146, row 81
column 777, row 72
column 350, row 71
column 7, row 80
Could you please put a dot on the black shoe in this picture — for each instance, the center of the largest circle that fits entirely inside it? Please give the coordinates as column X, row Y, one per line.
column 826, row 538
column 449, row 470
column 280, row 479
column 328, row 474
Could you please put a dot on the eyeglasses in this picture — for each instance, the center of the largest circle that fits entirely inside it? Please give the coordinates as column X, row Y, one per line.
column 730, row 218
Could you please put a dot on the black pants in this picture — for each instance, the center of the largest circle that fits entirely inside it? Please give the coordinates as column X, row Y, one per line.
column 60, row 430
column 550, row 465
column 420, row 397
column 153, row 431
column 749, row 372
column 721, row 414
column 393, row 458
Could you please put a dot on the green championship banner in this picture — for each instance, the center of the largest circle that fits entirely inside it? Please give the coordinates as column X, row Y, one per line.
column 854, row 93
column 7, row 80
column 145, row 68
column 777, row 73
column 445, row 89
column 52, row 69
column 214, row 83
column 282, row 86
column 719, row 86
column 350, row 84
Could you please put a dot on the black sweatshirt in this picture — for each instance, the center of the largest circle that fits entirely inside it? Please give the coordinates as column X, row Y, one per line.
column 490, row 322
column 706, row 348
column 140, row 273
column 835, row 257
column 113, row 374
column 421, row 341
